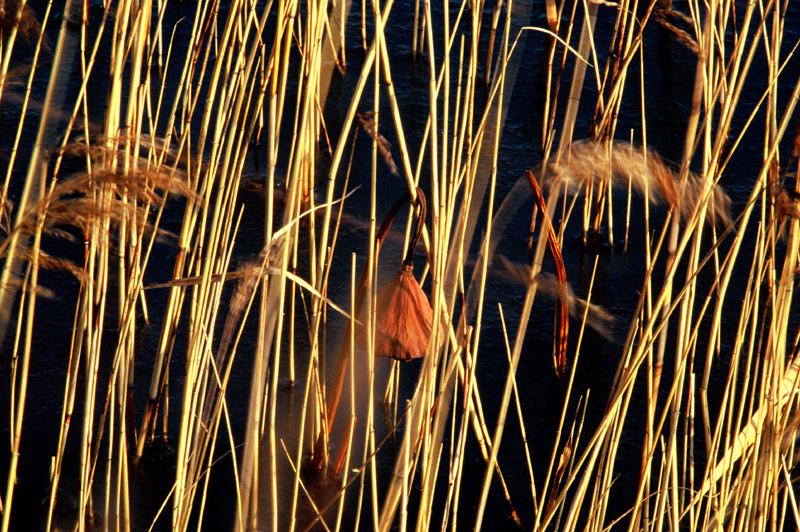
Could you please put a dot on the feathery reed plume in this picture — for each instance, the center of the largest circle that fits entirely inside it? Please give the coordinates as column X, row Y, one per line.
column 49, row 262
column 367, row 122
column 597, row 318
column 102, row 149
column 249, row 274
column 586, row 161
column 70, row 203
column 661, row 16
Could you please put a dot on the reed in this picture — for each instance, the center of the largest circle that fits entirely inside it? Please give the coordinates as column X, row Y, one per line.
column 135, row 193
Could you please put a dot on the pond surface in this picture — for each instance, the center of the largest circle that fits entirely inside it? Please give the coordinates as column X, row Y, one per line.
column 669, row 74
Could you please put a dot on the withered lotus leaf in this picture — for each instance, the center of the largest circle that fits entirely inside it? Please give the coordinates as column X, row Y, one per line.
column 404, row 318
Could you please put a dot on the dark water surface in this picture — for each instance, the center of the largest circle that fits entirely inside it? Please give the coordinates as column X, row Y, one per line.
column 669, row 74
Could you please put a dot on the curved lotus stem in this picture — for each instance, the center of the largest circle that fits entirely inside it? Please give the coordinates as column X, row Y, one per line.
column 561, row 274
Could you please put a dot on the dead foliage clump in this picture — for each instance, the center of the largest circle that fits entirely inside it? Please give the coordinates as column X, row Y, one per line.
column 404, row 326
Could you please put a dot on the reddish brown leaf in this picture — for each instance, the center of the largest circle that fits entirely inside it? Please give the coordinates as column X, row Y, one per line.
column 405, row 317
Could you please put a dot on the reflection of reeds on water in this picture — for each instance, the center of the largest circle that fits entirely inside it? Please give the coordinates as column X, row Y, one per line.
column 15, row 15
column 597, row 317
